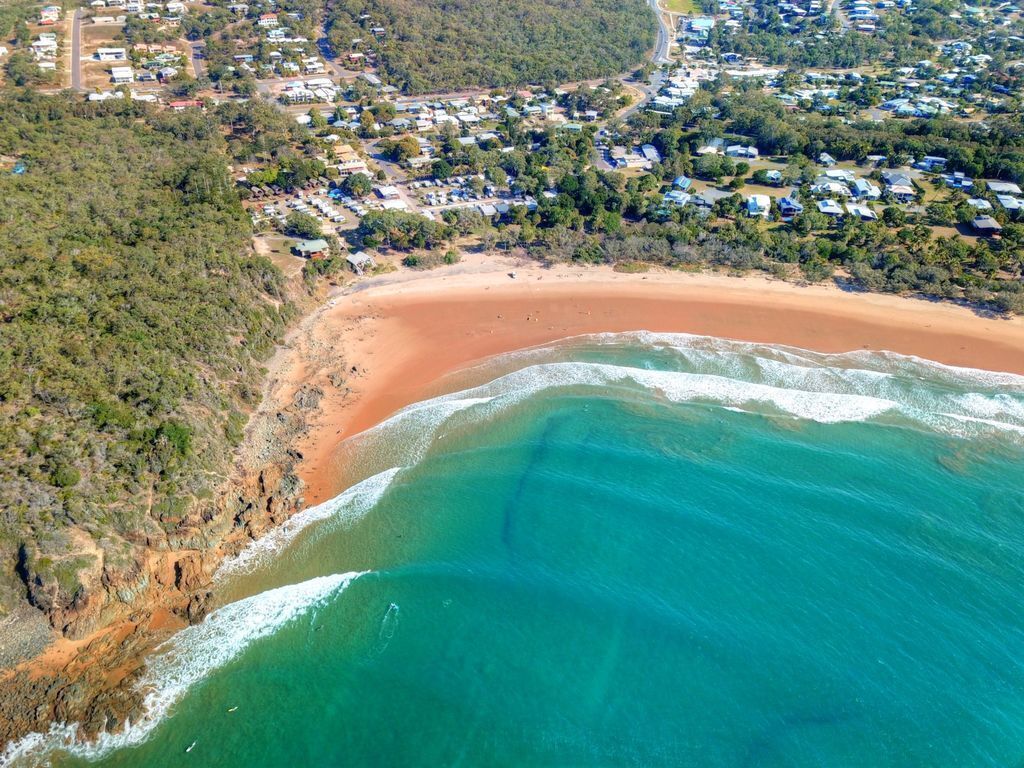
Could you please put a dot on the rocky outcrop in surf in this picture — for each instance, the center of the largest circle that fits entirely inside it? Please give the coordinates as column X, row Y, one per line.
column 118, row 610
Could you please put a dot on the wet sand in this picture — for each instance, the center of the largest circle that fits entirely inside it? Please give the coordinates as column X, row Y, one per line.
column 399, row 339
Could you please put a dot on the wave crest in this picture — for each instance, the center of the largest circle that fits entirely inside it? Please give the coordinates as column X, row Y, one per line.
column 187, row 658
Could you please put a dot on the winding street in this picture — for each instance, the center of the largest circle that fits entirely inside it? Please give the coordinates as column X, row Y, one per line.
column 661, row 49
column 659, row 57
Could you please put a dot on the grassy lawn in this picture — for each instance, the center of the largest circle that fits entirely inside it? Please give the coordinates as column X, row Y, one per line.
column 680, row 6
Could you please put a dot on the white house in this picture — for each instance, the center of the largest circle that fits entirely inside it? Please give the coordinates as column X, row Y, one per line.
column 111, row 54
column 825, row 186
column 738, row 150
column 830, row 208
column 1010, row 203
column 44, row 48
column 759, row 205
column 862, row 188
column 1003, row 187
column 121, row 75
column 861, row 211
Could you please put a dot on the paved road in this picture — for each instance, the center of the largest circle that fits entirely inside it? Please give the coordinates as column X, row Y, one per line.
column 650, row 91
column 658, row 57
column 76, row 51
column 844, row 20
column 197, row 52
column 664, row 36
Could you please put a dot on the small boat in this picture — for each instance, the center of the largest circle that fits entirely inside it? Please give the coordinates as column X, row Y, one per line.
column 189, row 747
column 232, row 709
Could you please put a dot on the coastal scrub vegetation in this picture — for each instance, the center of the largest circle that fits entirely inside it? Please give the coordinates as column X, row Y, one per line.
column 434, row 45
column 133, row 319
column 587, row 215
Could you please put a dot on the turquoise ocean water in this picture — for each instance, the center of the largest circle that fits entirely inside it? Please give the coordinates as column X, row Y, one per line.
column 625, row 550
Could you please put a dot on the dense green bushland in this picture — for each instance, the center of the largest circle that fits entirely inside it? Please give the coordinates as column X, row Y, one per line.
column 132, row 318
column 431, row 45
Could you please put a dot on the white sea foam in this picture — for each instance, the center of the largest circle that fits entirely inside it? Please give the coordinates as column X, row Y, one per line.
column 832, row 389
column 851, row 386
column 744, row 376
column 186, row 659
column 344, row 509
column 880, row 361
column 738, row 376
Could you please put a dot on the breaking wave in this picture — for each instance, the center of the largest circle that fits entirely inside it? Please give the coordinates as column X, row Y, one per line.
column 187, row 658
column 738, row 376
column 826, row 388
column 742, row 377
column 343, row 509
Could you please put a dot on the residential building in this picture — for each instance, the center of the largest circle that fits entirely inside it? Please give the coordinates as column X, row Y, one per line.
column 823, row 185
column 650, row 153
column 311, row 249
column 1003, row 187
column 930, row 163
column 1010, row 203
column 986, row 226
column 360, row 262
column 861, row 211
column 682, row 183
column 830, row 208
column 863, row 189
column 759, row 205
column 121, row 75
column 111, row 54
column 789, row 206
column 738, row 150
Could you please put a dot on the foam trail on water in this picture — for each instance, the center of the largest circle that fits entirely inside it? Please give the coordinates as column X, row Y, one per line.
column 824, row 387
column 344, row 509
column 187, row 658
column 880, row 361
column 739, row 376
column 823, row 394
column 418, row 423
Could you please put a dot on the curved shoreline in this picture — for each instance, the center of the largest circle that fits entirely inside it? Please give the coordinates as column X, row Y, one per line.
column 386, row 342
column 402, row 339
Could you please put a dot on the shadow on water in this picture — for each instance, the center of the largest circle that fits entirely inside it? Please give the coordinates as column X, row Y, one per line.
column 766, row 748
column 537, row 458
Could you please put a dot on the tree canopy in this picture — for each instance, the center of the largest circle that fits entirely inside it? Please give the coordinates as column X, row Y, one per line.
column 132, row 319
column 431, row 45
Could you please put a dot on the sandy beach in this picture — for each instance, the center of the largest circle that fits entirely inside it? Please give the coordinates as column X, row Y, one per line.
column 381, row 343
column 388, row 342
